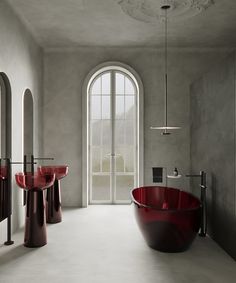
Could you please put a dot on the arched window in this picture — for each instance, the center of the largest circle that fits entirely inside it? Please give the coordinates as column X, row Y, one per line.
column 113, row 131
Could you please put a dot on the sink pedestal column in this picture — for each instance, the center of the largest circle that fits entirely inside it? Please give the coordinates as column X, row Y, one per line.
column 35, row 220
column 53, row 203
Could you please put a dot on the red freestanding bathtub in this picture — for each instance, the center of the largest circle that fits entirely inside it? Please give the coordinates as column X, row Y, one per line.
column 169, row 218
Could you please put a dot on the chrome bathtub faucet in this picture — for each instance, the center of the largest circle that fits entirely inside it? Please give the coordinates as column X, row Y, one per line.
column 203, row 226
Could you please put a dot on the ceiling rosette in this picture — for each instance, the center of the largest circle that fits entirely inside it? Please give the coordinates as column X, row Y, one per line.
column 150, row 10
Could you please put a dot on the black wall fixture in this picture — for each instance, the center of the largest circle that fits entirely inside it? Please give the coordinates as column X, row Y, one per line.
column 157, row 174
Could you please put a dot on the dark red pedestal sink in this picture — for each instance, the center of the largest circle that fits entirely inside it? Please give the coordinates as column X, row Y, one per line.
column 53, row 199
column 35, row 220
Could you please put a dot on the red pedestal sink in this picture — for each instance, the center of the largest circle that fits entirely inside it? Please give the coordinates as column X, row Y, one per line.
column 53, row 199
column 35, row 220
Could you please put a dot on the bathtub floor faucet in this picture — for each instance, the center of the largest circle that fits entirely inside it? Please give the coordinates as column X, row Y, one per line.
column 203, row 226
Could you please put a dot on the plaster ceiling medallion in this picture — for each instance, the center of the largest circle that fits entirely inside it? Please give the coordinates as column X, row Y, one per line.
column 150, row 10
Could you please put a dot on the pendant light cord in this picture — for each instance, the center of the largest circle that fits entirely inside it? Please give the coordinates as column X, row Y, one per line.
column 165, row 59
column 166, row 90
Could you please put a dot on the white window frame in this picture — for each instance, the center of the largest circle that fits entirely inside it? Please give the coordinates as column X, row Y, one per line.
column 108, row 66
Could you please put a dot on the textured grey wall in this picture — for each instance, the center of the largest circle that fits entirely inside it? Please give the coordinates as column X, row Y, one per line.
column 21, row 60
column 64, row 73
column 213, row 148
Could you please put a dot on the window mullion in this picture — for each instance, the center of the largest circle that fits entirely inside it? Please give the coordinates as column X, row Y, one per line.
column 101, row 132
column 113, row 113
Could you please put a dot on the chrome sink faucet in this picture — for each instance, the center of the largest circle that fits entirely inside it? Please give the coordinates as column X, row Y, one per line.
column 203, row 225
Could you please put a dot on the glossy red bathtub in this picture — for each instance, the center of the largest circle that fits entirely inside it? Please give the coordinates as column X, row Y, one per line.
column 169, row 218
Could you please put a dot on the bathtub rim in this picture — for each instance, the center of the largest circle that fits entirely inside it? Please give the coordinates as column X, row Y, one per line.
column 162, row 209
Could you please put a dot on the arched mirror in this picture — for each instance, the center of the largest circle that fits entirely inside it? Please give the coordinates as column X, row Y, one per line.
column 28, row 123
column 28, row 112
column 5, row 117
column 5, row 152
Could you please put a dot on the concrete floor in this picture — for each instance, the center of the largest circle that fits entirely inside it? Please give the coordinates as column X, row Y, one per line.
column 103, row 244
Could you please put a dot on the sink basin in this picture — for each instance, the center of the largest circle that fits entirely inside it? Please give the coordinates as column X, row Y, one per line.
column 36, row 181
column 60, row 170
column 35, row 218
column 3, row 172
column 53, row 199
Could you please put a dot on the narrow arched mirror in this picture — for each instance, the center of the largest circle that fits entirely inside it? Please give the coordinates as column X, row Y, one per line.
column 28, row 123
column 5, row 117
column 5, row 152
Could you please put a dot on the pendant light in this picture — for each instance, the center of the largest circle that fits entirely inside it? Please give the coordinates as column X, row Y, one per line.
column 165, row 128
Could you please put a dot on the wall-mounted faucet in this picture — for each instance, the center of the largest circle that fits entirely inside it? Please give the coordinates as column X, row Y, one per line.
column 203, row 227
column 38, row 158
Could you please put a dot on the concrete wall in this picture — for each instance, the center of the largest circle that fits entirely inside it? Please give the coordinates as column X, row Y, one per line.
column 64, row 74
column 213, row 148
column 21, row 60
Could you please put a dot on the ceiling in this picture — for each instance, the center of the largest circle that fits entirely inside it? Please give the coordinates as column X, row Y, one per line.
column 74, row 23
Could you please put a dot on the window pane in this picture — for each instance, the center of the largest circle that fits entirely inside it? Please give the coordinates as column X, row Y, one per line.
column 129, row 159
column 120, row 107
column 95, row 159
column 119, row 132
column 119, row 159
column 120, row 84
column 106, row 86
column 96, row 132
column 96, row 107
column 129, row 87
column 129, row 107
column 129, row 132
column 106, row 159
column 106, row 108
column 101, row 188
column 106, row 133
column 96, row 86
column 123, row 186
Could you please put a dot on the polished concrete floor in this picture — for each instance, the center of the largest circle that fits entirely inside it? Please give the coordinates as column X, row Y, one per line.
column 103, row 244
